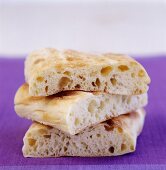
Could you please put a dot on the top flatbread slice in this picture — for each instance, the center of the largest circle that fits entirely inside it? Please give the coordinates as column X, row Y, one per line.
column 49, row 71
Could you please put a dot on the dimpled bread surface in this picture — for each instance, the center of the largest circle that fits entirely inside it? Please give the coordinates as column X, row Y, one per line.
column 49, row 71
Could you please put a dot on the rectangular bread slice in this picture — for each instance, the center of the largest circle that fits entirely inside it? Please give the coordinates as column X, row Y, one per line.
column 49, row 71
column 116, row 136
column 72, row 111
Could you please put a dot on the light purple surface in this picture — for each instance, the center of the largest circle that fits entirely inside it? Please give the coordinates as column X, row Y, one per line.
column 151, row 147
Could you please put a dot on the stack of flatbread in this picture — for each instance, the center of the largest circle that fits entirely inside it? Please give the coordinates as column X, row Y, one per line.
column 81, row 104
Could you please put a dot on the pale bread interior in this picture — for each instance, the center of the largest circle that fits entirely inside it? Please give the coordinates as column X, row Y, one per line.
column 49, row 71
column 73, row 111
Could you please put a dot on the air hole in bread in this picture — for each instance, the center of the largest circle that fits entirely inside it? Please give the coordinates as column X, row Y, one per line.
column 110, row 122
column 108, row 128
column 65, row 148
column 123, row 68
column 36, row 92
column 98, row 82
column 46, row 151
column 107, row 100
column 106, row 70
column 40, row 79
column 101, row 105
column 84, row 145
column 114, row 107
column 133, row 63
column 93, row 84
column 47, row 136
column 67, row 144
column 68, row 58
column 97, row 116
column 138, row 91
column 123, row 147
column 71, row 113
column 92, row 106
column 141, row 73
column 113, row 81
column 34, row 84
column 77, row 121
column 45, row 81
column 133, row 75
column 67, row 73
column 29, row 134
column 42, row 131
column 132, row 147
column 105, row 89
column 77, row 86
column 46, row 89
column 123, row 99
column 63, row 138
column 31, row 141
column 120, row 130
column 82, row 78
column 64, row 81
column 74, row 144
column 98, row 135
column 90, row 136
column 128, row 100
column 111, row 149
column 38, row 61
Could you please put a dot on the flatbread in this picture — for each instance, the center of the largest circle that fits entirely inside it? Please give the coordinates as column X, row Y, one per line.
column 117, row 136
column 72, row 111
column 49, row 71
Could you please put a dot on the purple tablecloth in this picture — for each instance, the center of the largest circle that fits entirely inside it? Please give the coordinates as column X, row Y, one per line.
column 151, row 147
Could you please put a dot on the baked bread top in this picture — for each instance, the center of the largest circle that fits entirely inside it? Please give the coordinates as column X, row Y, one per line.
column 49, row 71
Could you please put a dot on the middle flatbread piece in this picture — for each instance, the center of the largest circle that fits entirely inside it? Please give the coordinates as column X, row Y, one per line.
column 72, row 111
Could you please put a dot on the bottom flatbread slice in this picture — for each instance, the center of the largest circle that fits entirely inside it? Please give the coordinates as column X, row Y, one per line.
column 116, row 136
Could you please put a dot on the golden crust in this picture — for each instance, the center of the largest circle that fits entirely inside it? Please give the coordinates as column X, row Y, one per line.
column 43, row 67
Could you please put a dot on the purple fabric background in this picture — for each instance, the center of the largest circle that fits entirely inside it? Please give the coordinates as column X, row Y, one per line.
column 151, row 147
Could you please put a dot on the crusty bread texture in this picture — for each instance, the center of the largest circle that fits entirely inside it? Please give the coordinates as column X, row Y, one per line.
column 49, row 71
column 72, row 111
column 116, row 136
